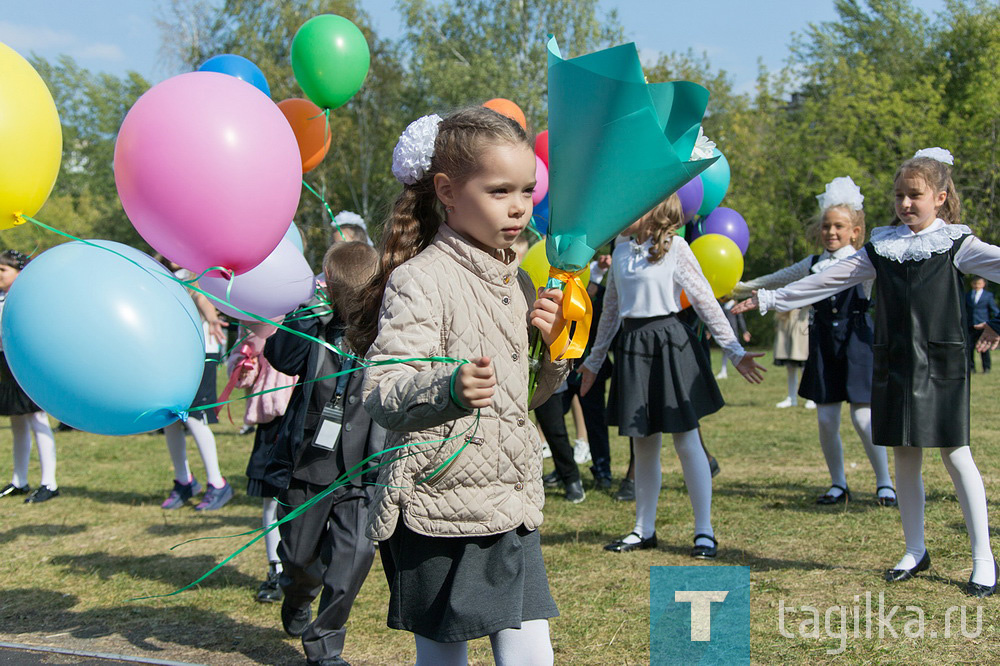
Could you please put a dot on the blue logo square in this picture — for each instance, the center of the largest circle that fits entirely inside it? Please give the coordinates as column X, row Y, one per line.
column 699, row 615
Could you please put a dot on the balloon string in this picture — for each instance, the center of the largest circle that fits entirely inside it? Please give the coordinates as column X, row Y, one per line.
column 533, row 229
column 329, row 211
column 351, row 474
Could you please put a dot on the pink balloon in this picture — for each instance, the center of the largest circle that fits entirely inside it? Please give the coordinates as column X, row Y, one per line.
column 541, row 181
column 274, row 288
column 208, row 171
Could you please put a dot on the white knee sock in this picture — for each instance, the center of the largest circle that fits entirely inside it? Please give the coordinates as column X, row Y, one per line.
column 46, row 443
column 698, row 479
column 972, row 498
column 432, row 653
column 205, row 440
column 910, row 493
column 648, row 479
column 177, row 446
column 793, row 384
column 828, row 418
column 878, row 456
column 269, row 514
column 528, row 646
column 22, row 449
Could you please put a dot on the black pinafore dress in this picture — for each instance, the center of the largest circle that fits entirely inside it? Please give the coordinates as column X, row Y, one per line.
column 839, row 367
column 920, row 387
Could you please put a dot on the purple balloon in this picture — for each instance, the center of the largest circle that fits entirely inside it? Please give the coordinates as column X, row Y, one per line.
column 730, row 224
column 691, row 195
column 278, row 285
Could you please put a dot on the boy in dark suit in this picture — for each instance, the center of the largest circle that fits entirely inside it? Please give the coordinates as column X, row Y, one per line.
column 980, row 307
column 325, row 433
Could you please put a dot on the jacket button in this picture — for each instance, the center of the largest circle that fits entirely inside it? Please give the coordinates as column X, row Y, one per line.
column 514, row 356
column 518, row 486
column 347, row 427
column 520, row 420
column 505, row 300
column 834, row 310
column 353, row 399
column 506, row 279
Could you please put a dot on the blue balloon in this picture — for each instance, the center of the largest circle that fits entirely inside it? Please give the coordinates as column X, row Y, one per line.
column 100, row 343
column 295, row 236
column 540, row 216
column 237, row 66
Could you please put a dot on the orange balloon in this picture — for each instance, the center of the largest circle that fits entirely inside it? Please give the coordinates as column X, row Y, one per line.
column 509, row 109
column 311, row 132
column 685, row 303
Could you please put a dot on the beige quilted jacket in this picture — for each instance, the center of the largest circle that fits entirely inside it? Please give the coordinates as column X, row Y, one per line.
column 457, row 301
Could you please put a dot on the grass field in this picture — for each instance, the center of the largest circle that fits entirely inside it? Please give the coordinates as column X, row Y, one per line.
column 70, row 565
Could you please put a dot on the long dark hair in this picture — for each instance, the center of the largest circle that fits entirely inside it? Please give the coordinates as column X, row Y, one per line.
column 416, row 215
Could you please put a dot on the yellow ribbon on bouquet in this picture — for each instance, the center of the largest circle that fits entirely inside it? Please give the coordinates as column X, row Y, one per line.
column 577, row 311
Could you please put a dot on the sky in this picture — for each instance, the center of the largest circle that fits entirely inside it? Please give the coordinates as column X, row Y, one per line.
column 120, row 35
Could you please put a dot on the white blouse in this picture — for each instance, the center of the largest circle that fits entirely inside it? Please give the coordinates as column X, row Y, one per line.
column 637, row 289
column 797, row 271
column 897, row 243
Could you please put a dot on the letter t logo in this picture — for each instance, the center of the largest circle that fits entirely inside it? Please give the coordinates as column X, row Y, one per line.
column 701, row 610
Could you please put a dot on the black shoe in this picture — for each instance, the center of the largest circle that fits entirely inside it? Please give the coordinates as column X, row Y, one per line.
column 899, row 575
column 551, row 480
column 269, row 591
column 574, row 492
column 295, row 620
column 827, row 498
column 41, row 494
column 705, row 552
column 626, row 491
column 713, row 465
column 11, row 489
column 981, row 591
column 602, row 483
column 886, row 501
column 619, row 546
column 62, row 427
column 329, row 661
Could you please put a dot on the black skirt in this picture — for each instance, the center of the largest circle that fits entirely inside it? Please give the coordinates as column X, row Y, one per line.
column 452, row 589
column 13, row 400
column 662, row 380
column 207, row 393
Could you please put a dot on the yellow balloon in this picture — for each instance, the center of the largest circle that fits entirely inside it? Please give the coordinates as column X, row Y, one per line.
column 721, row 261
column 536, row 264
column 30, row 136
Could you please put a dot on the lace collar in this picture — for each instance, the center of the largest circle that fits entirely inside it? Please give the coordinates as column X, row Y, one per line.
column 828, row 258
column 900, row 244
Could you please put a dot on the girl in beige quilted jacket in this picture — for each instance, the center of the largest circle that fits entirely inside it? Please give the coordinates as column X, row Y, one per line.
column 457, row 509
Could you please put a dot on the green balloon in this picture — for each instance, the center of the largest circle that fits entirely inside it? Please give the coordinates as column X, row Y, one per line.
column 715, row 181
column 330, row 59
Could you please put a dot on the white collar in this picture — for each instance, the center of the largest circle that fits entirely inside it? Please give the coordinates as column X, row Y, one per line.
column 827, row 258
column 900, row 243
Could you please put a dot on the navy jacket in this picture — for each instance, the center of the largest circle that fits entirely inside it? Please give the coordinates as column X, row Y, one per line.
column 984, row 310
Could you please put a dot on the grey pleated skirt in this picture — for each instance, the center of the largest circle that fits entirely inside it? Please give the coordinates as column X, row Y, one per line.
column 662, row 379
column 452, row 589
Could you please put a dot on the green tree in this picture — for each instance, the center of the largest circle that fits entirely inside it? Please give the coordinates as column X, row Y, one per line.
column 468, row 52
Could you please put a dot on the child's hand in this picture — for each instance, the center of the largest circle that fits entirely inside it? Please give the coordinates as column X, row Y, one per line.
column 746, row 336
column 587, row 379
column 474, row 383
column 747, row 305
column 750, row 369
column 546, row 314
column 247, row 365
column 989, row 340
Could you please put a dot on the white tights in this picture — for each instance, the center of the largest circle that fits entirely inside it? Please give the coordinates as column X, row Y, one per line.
column 649, row 477
column 527, row 646
column 971, row 497
column 793, row 383
column 269, row 514
column 204, row 439
column 828, row 416
column 22, row 426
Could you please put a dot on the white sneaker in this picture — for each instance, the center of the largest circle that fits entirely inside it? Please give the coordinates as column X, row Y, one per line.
column 810, row 404
column 787, row 402
column 546, row 451
column 581, row 452
column 722, row 375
